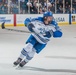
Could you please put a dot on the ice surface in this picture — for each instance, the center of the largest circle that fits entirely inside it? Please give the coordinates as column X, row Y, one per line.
column 58, row 58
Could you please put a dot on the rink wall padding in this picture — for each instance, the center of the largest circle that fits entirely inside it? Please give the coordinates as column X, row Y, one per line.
column 18, row 19
column 60, row 18
column 8, row 19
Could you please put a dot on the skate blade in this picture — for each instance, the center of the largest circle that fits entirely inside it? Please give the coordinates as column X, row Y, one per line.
column 14, row 65
column 19, row 68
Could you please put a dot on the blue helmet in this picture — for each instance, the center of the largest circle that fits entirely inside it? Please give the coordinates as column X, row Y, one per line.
column 46, row 14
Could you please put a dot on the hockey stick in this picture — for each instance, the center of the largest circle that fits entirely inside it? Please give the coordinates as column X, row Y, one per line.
column 3, row 27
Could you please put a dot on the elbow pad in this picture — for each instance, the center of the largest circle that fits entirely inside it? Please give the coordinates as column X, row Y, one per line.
column 27, row 21
column 57, row 34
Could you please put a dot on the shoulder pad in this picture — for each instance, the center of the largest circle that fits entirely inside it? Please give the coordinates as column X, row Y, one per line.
column 39, row 19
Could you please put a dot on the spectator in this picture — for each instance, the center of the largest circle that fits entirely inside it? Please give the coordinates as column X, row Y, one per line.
column 52, row 1
column 74, row 4
column 23, row 8
column 45, row 9
column 52, row 8
column 30, row 6
column 40, row 10
column 73, row 10
column 33, row 7
column 14, row 7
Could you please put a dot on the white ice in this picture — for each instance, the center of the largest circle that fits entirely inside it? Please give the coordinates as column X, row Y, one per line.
column 58, row 58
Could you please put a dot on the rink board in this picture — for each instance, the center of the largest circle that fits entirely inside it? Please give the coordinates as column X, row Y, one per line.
column 8, row 19
column 18, row 19
column 60, row 18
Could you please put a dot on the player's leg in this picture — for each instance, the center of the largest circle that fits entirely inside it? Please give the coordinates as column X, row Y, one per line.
column 39, row 47
column 36, row 49
column 28, row 47
column 29, row 56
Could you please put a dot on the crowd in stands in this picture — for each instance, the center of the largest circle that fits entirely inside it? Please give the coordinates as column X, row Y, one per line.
column 37, row 6
column 3, row 6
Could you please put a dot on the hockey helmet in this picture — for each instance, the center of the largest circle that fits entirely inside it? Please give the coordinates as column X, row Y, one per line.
column 46, row 14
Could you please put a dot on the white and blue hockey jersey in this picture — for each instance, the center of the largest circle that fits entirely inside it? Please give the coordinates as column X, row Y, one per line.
column 42, row 32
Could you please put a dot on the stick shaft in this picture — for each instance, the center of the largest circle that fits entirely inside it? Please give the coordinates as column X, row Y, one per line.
column 17, row 30
column 3, row 27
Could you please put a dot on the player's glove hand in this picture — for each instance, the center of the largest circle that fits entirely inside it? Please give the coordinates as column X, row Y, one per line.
column 30, row 27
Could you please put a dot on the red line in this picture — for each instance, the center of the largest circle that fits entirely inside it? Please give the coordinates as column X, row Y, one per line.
column 14, row 19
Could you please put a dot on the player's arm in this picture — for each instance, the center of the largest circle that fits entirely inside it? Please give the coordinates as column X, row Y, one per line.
column 57, row 32
column 31, row 24
column 33, row 27
column 28, row 23
column 28, row 20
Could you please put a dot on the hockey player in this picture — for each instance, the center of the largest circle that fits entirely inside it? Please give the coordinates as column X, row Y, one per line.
column 42, row 28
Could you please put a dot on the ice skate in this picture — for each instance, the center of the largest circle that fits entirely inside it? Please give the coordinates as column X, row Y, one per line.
column 17, row 61
column 22, row 63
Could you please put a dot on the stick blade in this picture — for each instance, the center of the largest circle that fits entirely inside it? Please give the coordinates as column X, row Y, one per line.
column 2, row 25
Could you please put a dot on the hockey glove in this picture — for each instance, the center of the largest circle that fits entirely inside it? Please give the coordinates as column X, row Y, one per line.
column 57, row 34
column 30, row 27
